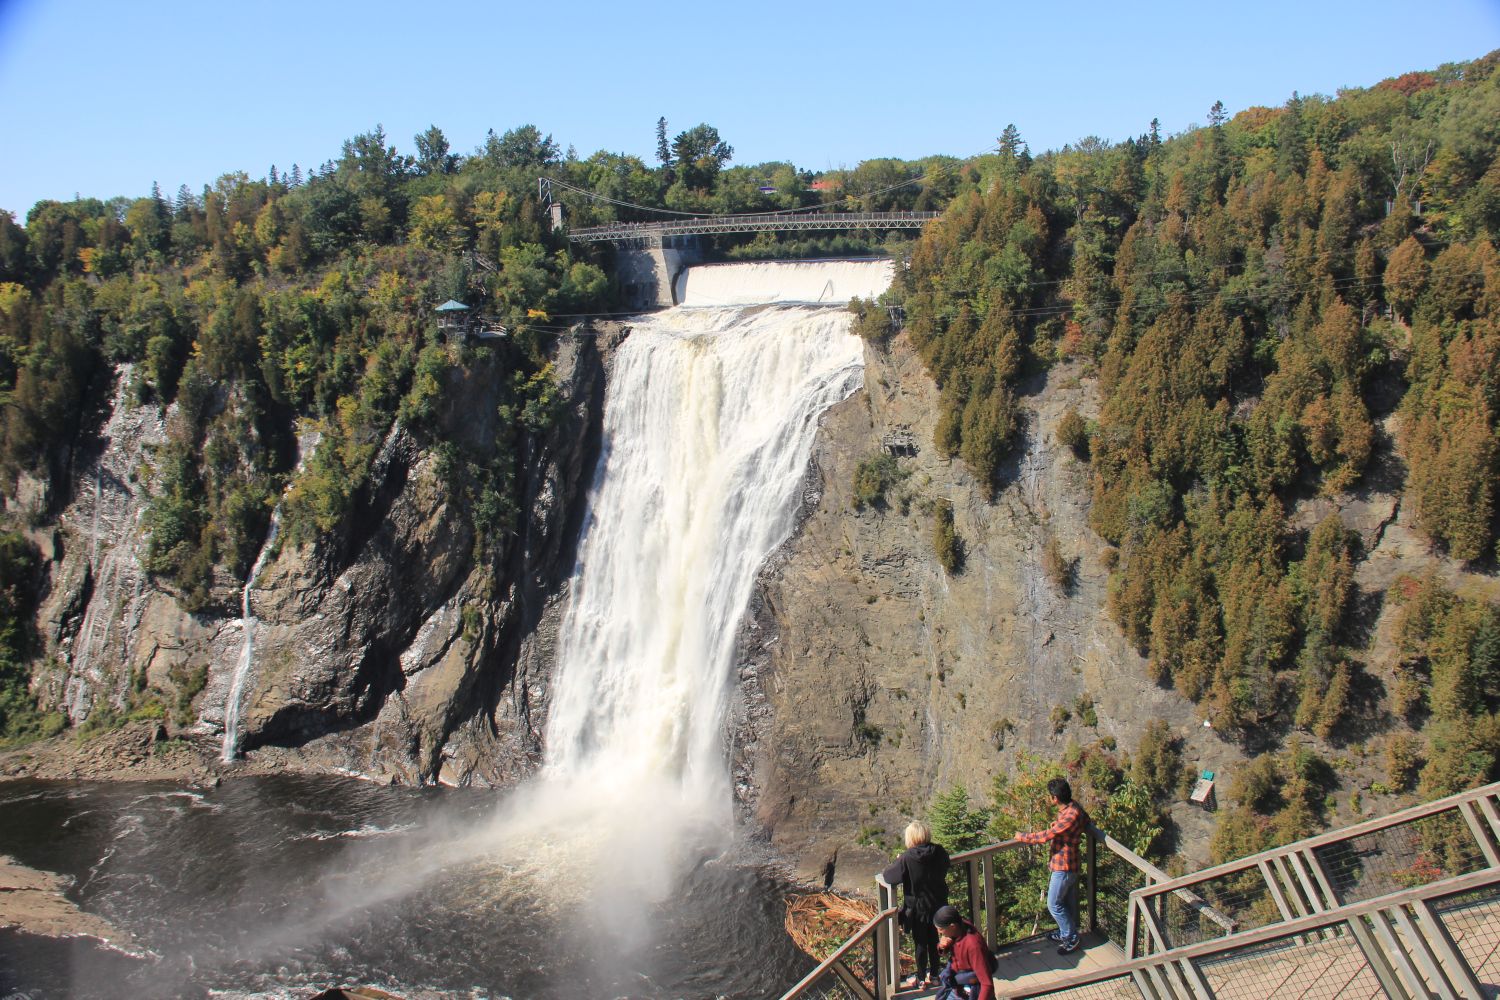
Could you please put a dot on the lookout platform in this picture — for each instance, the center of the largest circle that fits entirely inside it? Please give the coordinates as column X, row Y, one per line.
column 1035, row 962
column 1405, row 906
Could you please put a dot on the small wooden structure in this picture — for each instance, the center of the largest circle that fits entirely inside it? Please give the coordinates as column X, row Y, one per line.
column 454, row 318
column 457, row 320
column 1203, row 791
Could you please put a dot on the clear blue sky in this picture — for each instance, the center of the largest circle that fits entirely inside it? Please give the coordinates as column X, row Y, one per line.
column 102, row 98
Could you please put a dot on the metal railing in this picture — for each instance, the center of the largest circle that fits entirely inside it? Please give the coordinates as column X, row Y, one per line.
column 1457, row 835
column 654, row 232
column 1438, row 940
column 1408, row 904
column 1115, row 869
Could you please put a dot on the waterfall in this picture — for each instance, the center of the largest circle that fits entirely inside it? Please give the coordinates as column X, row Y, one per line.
column 247, row 645
column 709, row 423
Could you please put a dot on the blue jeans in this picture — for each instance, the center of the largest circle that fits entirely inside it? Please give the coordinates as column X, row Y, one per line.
column 1062, row 903
column 954, row 985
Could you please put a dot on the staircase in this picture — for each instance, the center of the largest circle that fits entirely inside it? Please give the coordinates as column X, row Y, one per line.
column 1405, row 907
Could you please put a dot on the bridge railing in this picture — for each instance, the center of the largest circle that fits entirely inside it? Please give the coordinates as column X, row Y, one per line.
column 771, row 221
column 1453, row 836
column 1111, row 871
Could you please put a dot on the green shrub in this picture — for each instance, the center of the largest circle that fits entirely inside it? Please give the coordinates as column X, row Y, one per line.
column 190, row 682
column 873, row 477
column 945, row 541
column 1402, row 760
column 871, row 321
column 1073, row 433
column 19, row 566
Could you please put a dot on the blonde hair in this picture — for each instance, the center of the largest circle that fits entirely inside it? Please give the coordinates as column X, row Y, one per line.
column 918, row 832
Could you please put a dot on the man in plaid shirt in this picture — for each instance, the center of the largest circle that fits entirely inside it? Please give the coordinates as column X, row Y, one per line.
column 1064, row 834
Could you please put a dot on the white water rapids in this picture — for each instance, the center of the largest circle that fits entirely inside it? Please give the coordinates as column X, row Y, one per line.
column 709, row 422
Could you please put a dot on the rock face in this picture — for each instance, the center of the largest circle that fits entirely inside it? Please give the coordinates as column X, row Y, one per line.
column 874, row 679
column 386, row 649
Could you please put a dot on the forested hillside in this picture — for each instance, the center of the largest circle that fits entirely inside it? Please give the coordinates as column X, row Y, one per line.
column 1275, row 305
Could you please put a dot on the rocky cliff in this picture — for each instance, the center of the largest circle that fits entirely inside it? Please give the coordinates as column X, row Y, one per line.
column 387, row 648
column 873, row 679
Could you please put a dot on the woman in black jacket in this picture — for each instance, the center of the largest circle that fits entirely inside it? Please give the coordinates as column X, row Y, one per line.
column 922, row 873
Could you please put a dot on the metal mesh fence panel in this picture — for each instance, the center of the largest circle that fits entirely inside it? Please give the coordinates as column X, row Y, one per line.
column 1114, row 881
column 859, row 963
column 1401, row 857
column 1473, row 922
column 1241, row 899
column 828, row 988
column 1306, row 968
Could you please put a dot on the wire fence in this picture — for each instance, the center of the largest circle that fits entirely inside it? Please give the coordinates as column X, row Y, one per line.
column 1472, row 920
column 1115, row 878
column 1244, row 897
column 1374, row 859
column 1292, row 967
column 1441, row 940
column 1414, row 854
column 1114, row 988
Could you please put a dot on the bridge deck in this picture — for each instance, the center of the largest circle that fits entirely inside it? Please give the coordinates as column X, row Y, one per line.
column 654, row 232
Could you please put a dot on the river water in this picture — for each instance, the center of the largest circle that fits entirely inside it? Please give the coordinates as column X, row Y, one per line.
column 280, row 886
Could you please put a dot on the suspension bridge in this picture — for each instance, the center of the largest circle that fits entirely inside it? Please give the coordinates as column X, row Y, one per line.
column 656, row 234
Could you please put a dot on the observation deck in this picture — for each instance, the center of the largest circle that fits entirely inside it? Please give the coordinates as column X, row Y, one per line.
column 1406, row 906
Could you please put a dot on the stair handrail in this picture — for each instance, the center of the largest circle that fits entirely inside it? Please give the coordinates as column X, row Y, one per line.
column 1474, row 806
column 1302, row 926
column 835, row 963
column 1375, row 825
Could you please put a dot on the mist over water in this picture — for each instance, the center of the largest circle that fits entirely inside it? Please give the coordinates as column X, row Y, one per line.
column 615, row 871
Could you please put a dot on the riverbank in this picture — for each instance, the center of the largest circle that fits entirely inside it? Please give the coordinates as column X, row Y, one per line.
column 32, row 901
column 140, row 751
column 148, row 751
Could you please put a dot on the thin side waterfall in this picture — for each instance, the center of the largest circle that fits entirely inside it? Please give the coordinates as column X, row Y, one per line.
column 709, row 423
column 247, row 645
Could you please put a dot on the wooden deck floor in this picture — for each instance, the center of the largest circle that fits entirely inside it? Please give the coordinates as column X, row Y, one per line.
column 1036, row 960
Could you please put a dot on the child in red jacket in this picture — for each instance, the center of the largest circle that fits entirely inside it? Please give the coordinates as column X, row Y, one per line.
column 970, row 974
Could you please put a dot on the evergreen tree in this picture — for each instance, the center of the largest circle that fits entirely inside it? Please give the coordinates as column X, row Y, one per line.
column 663, row 149
column 956, row 823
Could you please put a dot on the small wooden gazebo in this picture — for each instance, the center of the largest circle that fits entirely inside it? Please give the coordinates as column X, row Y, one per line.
column 453, row 317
